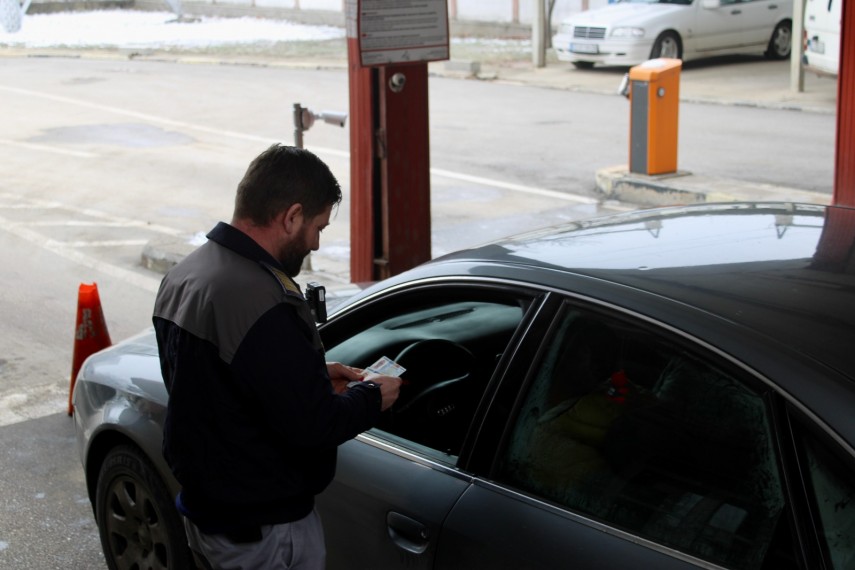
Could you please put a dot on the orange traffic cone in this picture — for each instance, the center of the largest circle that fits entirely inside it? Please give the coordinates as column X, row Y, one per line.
column 90, row 332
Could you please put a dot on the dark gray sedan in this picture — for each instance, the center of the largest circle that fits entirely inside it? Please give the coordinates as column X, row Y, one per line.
column 672, row 388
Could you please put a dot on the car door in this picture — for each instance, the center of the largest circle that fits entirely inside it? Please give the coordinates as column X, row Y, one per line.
column 757, row 18
column 395, row 484
column 615, row 443
column 385, row 507
column 718, row 27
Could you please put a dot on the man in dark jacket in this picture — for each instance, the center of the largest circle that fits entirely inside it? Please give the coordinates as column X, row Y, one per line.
column 255, row 412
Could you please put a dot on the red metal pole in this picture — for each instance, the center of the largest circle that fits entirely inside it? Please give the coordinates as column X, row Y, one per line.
column 405, row 169
column 362, row 166
column 389, row 169
column 844, row 166
column 389, row 160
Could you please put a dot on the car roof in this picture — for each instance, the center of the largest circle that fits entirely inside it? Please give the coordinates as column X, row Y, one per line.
column 783, row 270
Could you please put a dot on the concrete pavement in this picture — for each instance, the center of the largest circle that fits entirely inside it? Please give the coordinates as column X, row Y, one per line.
column 736, row 80
column 756, row 83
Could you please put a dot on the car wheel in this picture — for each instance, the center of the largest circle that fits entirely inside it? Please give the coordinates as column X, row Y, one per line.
column 668, row 44
column 138, row 522
column 781, row 41
column 583, row 64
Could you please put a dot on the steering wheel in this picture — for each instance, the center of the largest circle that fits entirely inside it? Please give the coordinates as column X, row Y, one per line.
column 437, row 371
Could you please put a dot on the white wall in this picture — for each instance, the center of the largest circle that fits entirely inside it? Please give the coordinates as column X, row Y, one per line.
column 332, row 5
column 477, row 10
column 503, row 10
column 327, row 5
column 486, row 10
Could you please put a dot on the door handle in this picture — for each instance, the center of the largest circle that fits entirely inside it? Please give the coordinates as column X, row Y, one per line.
column 736, row 12
column 407, row 533
column 772, row 6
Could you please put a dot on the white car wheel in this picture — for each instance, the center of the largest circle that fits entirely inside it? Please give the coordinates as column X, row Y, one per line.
column 668, row 44
column 781, row 41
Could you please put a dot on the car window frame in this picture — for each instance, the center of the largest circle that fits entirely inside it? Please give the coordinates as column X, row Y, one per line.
column 799, row 423
column 447, row 289
column 510, row 395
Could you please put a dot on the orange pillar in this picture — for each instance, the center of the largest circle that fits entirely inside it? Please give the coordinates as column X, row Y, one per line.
column 654, row 116
column 844, row 165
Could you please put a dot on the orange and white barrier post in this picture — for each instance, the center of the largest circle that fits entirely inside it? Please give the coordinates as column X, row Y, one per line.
column 90, row 332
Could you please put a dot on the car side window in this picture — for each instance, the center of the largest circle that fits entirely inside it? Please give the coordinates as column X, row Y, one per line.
column 832, row 492
column 629, row 428
column 449, row 349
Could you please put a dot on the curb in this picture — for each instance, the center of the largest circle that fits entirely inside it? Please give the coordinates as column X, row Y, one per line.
column 683, row 187
column 162, row 253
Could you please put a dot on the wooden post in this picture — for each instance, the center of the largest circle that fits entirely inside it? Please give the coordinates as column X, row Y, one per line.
column 844, row 165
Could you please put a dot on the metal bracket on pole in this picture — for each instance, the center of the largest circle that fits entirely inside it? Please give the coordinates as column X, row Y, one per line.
column 304, row 118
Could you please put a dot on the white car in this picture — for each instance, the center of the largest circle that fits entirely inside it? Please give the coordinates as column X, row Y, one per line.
column 630, row 32
column 822, row 36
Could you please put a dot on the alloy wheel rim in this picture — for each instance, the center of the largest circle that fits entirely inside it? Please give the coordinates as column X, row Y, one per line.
column 134, row 527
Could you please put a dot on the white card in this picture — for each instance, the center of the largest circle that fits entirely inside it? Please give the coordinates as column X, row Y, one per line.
column 384, row 367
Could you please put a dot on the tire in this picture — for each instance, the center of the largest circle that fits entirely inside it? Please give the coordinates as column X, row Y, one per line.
column 139, row 525
column 668, row 44
column 781, row 41
column 583, row 64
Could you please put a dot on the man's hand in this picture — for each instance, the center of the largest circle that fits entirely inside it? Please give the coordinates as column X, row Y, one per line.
column 389, row 389
column 341, row 374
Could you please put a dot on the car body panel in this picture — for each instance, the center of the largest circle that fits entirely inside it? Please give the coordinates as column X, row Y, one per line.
column 404, row 499
column 120, row 397
column 754, row 19
column 552, row 537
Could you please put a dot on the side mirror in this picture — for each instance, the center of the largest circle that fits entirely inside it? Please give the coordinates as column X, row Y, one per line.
column 710, row 4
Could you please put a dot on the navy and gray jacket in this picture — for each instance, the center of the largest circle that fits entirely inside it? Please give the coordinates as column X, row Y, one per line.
column 252, row 424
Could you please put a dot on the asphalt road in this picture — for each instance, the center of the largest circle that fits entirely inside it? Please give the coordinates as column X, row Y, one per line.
column 100, row 156
column 46, row 519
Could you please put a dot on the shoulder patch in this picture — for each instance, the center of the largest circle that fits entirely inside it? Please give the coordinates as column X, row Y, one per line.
column 288, row 285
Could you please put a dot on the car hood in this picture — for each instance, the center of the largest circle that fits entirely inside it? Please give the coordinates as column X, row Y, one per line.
column 626, row 14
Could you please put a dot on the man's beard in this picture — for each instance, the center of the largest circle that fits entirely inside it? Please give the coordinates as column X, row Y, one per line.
column 291, row 256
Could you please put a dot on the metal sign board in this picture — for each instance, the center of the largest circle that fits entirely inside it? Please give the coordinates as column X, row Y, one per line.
column 398, row 31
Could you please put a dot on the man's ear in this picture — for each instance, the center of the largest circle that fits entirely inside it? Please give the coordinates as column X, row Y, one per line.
column 292, row 218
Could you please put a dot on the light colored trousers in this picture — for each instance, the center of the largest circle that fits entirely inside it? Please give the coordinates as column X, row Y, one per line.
column 292, row 546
